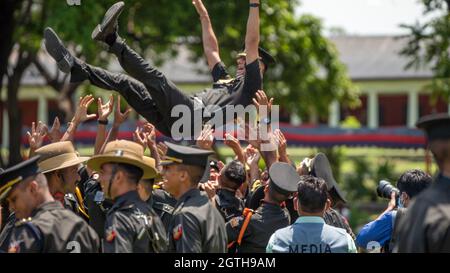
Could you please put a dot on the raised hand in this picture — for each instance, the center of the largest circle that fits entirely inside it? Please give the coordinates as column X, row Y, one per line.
column 162, row 149
column 252, row 155
column 281, row 141
column 206, row 138
column 149, row 129
column 261, row 100
column 120, row 117
column 55, row 133
column 201, row 10
column 140, row 137
column 232, row 142
column 81, row 114
column 210, row 188
column 104, row 110
column 37, row 135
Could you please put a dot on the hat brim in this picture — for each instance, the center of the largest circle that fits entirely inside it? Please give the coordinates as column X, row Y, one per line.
column 166, row 162
column 96, row 162
column 65, row 164
column 322, row 168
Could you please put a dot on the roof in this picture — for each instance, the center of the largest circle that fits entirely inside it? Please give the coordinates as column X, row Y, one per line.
column 366, row 57
column 376, row 58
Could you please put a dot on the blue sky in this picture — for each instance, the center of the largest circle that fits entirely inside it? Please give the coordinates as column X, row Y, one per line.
column 365, row 17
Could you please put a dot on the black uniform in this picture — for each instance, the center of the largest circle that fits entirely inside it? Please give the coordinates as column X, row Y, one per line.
column 197, row 227
column 71, row 203
column 96, row 204
column 163, row 204
column 153, row 96
column 267, row 219
column 228, row 204
column 425, row 227
column 52, row 228
column 335, row 219
column 5, row 235
column 132, row 225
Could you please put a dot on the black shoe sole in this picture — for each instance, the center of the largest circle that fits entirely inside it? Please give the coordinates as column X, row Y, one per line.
column 108, row 24
column 56, row 49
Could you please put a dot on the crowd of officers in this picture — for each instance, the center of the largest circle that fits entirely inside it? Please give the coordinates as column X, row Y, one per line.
column 181, row 199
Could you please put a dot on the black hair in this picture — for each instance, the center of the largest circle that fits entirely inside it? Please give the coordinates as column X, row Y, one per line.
column 235, row 172
column 312, row 194
column 195, row 172
column 134, row 173
column 413, row 182
column 275, row 195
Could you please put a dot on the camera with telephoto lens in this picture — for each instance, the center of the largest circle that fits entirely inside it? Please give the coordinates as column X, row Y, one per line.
column 385, row 189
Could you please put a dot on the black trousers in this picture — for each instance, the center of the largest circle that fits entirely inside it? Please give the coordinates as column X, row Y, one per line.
column 147, row 91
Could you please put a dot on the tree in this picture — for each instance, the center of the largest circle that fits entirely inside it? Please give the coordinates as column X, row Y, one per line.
column 307, row 78
column 309, row 75
column 429, row 44
column 27, row 21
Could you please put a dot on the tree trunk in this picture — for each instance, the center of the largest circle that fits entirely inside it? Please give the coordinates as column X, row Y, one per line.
column 7, row 26
column 14, row 116
column 65, row 90
column 65, row 102
column 15, row 123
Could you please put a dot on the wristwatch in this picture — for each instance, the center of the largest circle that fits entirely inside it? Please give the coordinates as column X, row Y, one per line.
column 104, row 122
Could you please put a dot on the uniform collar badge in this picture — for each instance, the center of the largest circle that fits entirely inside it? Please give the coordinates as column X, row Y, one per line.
column 177, row 232
column 14, row 247
column 110, row 235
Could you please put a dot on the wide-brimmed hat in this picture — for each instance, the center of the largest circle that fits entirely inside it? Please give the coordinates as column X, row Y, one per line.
column 57, row 156
column 124, row 151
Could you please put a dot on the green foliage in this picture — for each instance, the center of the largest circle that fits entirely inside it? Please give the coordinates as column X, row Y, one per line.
column 362, row 183
column 308, row 65
column 429, row 44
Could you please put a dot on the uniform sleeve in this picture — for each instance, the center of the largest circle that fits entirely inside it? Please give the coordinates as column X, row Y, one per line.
column 351, row 244
column 26, row 238
column 379, row 231
column 119, row 234
column 233, row 228
column 437, row 232
column 253, row 80
column 219, row 72
column 186, row 234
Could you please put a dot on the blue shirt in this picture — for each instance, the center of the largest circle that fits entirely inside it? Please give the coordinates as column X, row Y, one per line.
column 310, row 234
column 377, row 233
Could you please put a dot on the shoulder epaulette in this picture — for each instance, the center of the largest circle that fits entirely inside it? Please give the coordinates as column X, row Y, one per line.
column 22, row 221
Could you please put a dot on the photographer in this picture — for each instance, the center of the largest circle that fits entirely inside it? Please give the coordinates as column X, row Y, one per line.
column 380, row 233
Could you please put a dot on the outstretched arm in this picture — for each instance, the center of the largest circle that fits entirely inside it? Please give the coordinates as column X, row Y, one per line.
column 252, row 35
column 210, row 44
